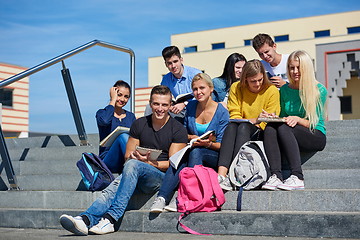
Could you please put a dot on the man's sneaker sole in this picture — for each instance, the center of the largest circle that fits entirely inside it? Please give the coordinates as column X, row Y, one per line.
column 269, row 187
column 68, row 223
column 99, row 232
column 288, row 188
column 156, row 210
column 170, row 209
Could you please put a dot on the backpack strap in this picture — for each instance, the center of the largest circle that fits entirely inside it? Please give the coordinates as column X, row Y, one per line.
column 219, row 194
column 239, row 199
column 189, row 230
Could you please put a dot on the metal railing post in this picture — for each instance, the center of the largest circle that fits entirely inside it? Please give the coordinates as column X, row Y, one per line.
column 74, row 105
column 7, row 163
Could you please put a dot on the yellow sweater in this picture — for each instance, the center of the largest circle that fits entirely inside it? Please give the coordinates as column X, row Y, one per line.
column 245, row 104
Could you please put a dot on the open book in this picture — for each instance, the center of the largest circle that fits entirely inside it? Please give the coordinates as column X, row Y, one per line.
column 109, row 139
column 183, row 97
column 176, row 158
column 154, row 153
column 271, row 119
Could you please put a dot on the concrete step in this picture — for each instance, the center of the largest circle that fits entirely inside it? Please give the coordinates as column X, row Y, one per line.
column 329, row 159
column 51, row 182
column 61, row 166
column 49, row 141
column 64, row 162
column 50, row 154
column 314, row 179
column 336, row 200
column 246, row 223
column 334, row 144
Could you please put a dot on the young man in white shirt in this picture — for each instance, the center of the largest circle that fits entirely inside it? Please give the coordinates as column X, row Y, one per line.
column 274, row 62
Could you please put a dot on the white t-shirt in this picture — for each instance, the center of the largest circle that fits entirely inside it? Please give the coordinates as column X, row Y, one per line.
column 280, row 69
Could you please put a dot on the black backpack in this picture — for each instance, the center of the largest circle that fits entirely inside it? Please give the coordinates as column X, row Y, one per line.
column 95, row 174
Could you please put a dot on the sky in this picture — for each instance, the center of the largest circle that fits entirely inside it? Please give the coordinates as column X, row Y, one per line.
column 35, row 31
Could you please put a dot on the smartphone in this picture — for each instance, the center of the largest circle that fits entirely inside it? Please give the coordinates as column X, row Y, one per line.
column 269, row 75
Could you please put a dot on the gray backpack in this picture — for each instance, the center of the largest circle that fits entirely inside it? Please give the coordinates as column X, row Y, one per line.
column 250, row 168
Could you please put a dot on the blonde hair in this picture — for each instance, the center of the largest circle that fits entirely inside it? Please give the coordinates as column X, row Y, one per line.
column 203, row 76
column 308, row 90
column 250, row 69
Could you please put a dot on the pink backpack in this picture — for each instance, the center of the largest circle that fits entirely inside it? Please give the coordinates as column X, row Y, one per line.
column 199, row 191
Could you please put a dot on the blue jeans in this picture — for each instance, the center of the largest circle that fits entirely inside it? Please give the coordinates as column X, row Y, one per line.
column 114, row 158
column 197, row 156
column 115, row 198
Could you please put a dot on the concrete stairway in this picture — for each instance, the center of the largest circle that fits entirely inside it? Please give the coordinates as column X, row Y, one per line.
column 329, row 207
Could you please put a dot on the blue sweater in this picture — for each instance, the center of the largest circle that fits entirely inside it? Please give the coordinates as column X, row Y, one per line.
column 220, row 89
column 218, row 123
column 106, row 122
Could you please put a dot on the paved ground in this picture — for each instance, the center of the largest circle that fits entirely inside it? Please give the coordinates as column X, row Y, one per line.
column 45, row 234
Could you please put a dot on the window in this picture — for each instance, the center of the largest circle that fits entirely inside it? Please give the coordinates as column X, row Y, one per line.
column 6, row 97
column 247, row 42
column 345, row 104
column 353, row 30
column 281, row 38
column 323, row 33
column 218, row 45
column 190, row 49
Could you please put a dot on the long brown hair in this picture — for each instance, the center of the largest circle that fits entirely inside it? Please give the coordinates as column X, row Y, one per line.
column 250, row 69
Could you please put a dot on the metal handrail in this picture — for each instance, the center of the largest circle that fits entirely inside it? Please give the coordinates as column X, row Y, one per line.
column 75, row 51
column 71, row 94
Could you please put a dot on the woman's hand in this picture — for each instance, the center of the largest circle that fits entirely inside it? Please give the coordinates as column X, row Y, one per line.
column 202, row 143
column 205, row 142
column 292, row 120
column 266, row 114
column 113, row 95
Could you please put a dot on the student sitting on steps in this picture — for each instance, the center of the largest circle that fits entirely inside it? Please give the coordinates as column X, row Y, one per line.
column 110, row 117
column 140, row 173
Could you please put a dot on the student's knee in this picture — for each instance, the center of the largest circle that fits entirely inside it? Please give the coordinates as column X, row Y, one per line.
column 243, row 127
column 196, row 156
column 131, row 165
column 122, row 139
column 231, row 127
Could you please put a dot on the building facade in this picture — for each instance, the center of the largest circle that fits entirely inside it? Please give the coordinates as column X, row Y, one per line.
column 14, row 99
column 208, row 50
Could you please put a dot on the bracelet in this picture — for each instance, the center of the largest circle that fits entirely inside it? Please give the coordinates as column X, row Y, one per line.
column 209, row 145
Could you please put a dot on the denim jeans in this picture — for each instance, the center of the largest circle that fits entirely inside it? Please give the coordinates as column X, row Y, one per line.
column 114, row 158
column 114, row 199
column 197, row 156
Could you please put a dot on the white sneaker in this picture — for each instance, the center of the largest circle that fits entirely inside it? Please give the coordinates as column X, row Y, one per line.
column 103, row 227
column 172, row 207
column 225, row 183
column 272, row 183
column 158, row 205
column 75, row 225
column 292, row 183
